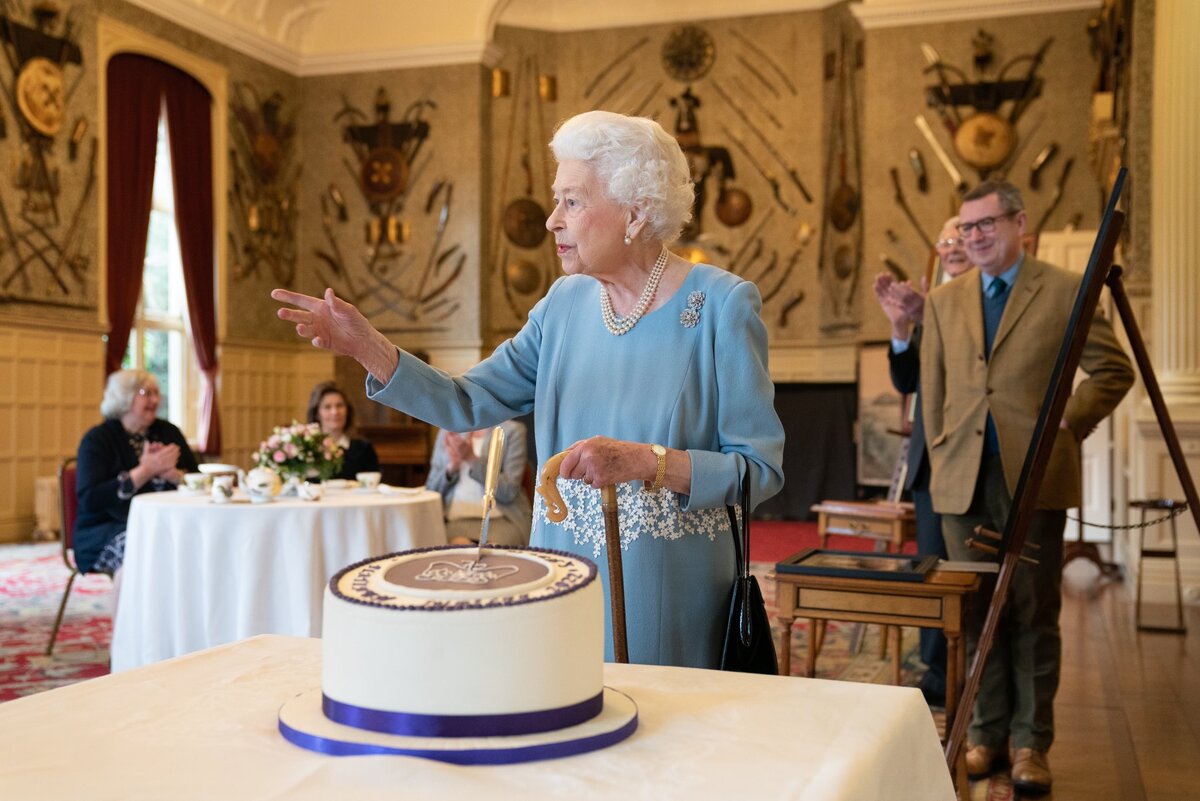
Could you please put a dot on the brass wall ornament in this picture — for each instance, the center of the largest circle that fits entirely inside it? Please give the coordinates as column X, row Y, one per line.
column 41, row 252
column 390, row 278
column 263, row 194
column 986, row 137
column 688, row 53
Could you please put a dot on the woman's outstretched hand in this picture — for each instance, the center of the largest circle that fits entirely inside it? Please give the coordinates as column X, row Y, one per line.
column 333, row 324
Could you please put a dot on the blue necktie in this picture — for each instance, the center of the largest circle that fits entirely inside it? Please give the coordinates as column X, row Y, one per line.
column 993, row 310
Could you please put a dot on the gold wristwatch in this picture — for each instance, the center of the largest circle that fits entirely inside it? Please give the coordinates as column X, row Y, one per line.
column 661, row 454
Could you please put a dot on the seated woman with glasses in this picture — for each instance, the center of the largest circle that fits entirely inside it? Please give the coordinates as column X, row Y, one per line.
column 131, row 452
column 329, row 406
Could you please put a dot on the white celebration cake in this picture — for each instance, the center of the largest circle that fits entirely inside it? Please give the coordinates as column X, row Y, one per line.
column 467, row 658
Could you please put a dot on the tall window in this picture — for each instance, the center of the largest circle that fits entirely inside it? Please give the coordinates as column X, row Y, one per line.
column 159, row 340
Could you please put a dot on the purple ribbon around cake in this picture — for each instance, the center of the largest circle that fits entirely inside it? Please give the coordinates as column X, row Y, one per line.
column 473, row 756
column 502, row 725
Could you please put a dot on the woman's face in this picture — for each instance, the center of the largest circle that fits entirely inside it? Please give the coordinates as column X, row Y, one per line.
column 144, row 408
column 331, row 413
column 589, row 229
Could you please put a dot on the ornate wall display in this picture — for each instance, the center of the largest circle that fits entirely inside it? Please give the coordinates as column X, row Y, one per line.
column 262, row 195
column 399, row 284
column 524, row 262
column 725, row 92
column 43, row 255
column 840, row 261
column 985, row 138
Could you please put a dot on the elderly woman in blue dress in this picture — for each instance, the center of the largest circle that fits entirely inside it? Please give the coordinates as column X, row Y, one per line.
column 650, row 370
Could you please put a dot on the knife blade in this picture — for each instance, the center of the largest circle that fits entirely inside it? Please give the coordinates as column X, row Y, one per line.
column 491, row 475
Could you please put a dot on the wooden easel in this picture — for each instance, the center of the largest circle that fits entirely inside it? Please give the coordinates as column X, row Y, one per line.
column 1100, row 270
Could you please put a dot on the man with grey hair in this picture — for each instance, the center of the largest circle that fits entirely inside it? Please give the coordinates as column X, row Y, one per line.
column 991, row 340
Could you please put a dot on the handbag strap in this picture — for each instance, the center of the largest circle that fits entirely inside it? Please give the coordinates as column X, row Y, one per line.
column 741, row 534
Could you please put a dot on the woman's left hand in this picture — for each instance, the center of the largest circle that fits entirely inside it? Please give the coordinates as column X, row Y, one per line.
column 600, row 461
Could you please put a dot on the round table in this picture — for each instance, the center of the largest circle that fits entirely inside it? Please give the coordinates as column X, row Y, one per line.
column 198, row 574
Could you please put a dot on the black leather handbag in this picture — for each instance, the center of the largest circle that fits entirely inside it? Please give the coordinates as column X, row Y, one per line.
column 748, row 647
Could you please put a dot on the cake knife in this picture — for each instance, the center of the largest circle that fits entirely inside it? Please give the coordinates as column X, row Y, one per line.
column 491, row 475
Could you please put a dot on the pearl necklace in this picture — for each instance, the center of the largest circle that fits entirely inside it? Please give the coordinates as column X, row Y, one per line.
column 618, row 325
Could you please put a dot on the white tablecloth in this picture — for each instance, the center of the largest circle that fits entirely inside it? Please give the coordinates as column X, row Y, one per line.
column 199, row 574
column 204, row 727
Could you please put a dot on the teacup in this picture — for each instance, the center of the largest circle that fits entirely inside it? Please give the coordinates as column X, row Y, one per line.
column 308, row 491
column 370, row 480
column 197, row 482
column 222, row 489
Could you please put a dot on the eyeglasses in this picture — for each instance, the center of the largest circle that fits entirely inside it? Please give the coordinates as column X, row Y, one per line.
column 949, row 242
column 985, row 224
column 149, row 392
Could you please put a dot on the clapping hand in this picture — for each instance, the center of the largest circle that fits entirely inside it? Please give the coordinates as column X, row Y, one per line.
column 159, row 460
column 459, row 449
column 902, row 303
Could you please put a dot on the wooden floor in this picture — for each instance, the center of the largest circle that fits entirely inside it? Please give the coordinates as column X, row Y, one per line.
column 1128, row 708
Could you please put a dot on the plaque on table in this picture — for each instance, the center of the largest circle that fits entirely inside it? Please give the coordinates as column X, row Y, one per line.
column 858, row 564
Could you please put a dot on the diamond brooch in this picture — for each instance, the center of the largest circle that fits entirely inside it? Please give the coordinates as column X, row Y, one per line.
column 690, row 316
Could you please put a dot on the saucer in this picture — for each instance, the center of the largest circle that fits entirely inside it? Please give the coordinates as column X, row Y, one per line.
column 340, row 484
column 388, row 489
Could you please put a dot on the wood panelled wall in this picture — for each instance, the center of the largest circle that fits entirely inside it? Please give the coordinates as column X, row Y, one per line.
column 264, row 385
column 51, row 382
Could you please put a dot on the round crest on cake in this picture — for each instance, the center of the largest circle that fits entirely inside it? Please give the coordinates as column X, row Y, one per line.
column 463, row 655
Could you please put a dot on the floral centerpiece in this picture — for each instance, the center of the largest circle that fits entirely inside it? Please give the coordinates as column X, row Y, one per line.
column 299, row 452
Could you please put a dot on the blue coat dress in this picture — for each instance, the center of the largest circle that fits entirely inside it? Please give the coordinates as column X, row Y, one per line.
column 690, row 375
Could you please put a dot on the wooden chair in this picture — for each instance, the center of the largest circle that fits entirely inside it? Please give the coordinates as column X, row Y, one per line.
column 68, row 507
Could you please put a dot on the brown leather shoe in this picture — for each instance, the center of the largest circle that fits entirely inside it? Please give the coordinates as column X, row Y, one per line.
column 981, row 761
column 1031, row 771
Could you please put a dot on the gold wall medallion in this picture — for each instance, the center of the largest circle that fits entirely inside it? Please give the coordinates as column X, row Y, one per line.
column 688, row 53
column 985, row 140
column 39, row 92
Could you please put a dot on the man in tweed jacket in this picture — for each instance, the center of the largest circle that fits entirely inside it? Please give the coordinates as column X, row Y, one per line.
column 990, row 343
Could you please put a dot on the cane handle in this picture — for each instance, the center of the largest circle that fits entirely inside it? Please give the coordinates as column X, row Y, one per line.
column 556, row 508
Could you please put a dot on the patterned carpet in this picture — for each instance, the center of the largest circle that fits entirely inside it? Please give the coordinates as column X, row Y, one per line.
column 32, row 578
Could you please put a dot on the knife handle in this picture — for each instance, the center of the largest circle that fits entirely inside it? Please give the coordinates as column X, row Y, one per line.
column 492, row 474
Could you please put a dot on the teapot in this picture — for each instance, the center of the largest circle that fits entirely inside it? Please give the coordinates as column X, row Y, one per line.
column 262, row 484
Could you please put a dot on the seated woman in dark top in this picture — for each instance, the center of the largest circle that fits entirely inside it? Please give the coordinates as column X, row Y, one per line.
column 328, row 406
column 131, row 452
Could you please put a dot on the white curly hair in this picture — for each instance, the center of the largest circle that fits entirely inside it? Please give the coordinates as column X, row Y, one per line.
column 121, row 388
column 637, row 162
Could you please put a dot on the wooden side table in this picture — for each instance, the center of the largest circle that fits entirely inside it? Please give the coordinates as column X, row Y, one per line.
column 936, row 603
column 889, row 524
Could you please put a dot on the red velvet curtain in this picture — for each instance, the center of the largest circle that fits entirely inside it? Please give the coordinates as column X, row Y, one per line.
column 189, row 127
column 133, row 108
column 138, row 88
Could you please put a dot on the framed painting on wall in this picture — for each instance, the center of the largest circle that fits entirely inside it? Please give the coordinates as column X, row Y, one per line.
column 879, row 417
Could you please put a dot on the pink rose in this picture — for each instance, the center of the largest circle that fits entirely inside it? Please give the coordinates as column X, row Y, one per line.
column 280, row 457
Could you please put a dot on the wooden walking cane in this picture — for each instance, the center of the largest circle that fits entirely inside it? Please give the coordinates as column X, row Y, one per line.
column 556, row 511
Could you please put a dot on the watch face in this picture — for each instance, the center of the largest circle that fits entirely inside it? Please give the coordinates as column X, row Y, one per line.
column 688, row 53
column 659, row 450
